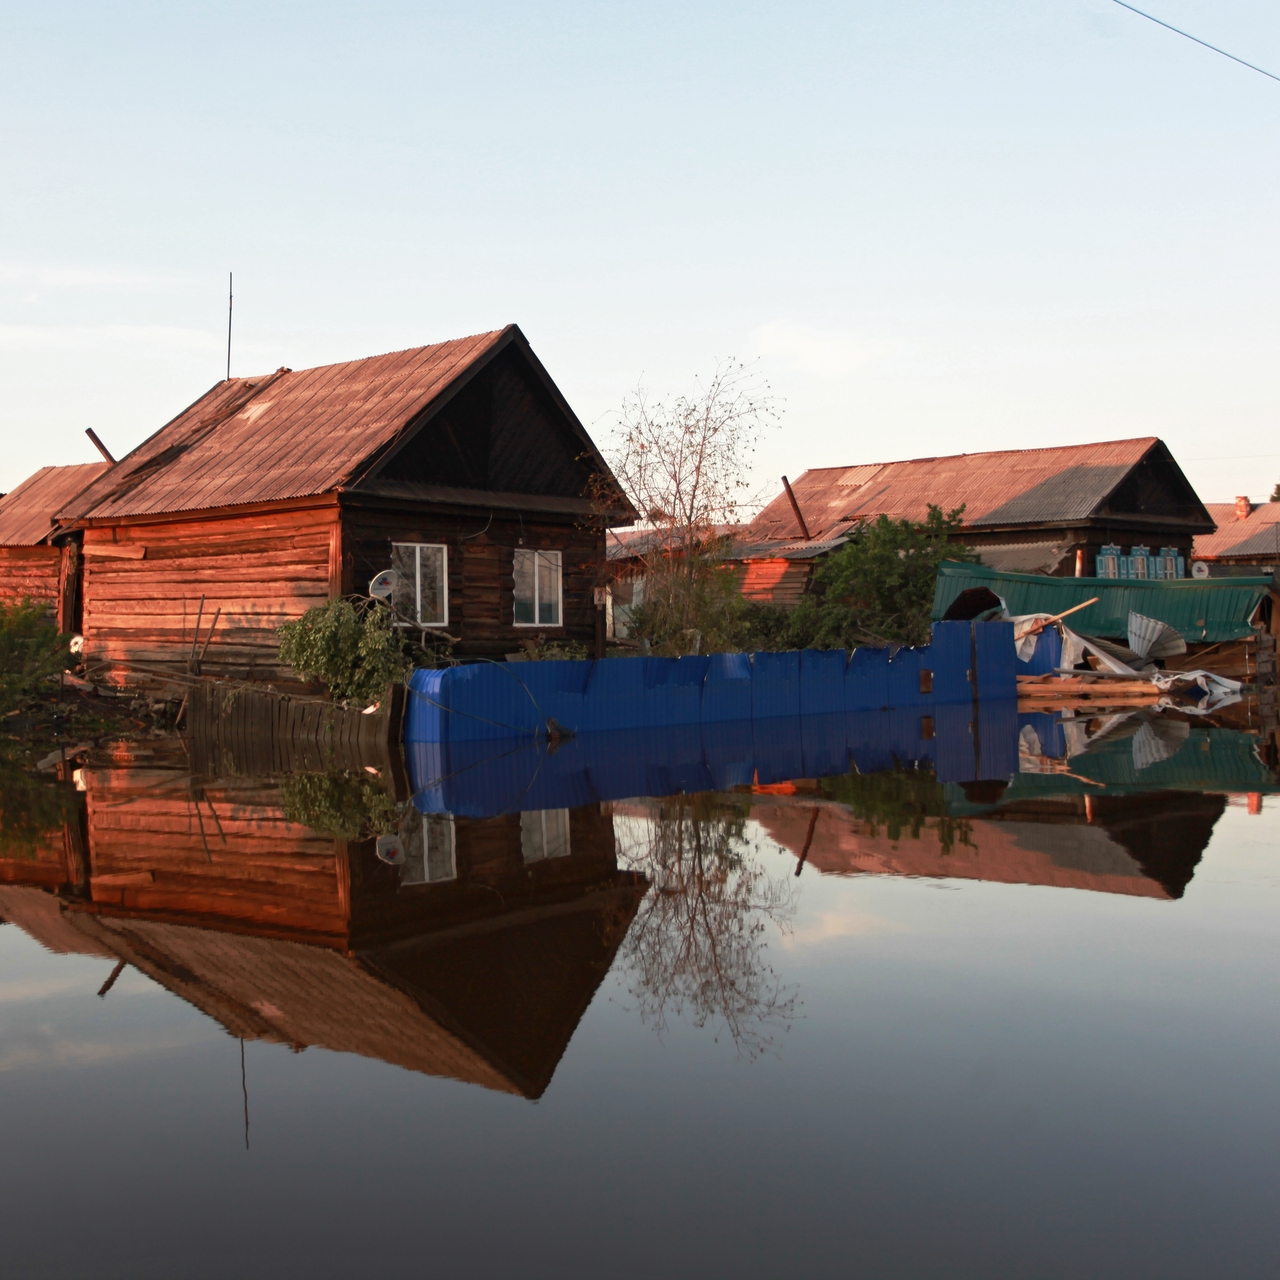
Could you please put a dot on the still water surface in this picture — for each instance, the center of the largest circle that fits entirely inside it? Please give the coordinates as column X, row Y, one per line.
column 762, row 1033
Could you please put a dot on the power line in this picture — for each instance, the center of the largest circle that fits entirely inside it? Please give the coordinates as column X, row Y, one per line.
column 1189, row 36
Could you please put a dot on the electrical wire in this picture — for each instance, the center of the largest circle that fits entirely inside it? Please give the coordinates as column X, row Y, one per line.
column 1178, row 31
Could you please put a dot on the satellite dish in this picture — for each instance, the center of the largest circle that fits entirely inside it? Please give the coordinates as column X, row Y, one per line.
column 382, row 585
column 1199, row 569
column 390, row 850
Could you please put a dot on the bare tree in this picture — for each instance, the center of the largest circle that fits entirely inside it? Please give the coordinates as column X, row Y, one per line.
column 685, row 464
column 697, row 947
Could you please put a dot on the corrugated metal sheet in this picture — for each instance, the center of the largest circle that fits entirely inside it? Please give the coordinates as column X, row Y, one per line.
column 1014, row 486
column 481, row 702
column 286, row 435
column 1200, row 609
column 26, row 513
column 1259, row 535
column 1023, row 557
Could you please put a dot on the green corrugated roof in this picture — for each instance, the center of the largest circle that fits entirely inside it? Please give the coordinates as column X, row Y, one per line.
column 1201, row 609
column 1211, row 759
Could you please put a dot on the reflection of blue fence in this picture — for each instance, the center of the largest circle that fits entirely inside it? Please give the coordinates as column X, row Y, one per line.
column 485, row 702
column 502, row 775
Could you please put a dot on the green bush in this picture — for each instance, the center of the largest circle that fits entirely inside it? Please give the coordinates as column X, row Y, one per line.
column 31, row 652
column 899, row 800
column 878, row 588
column 350, row 645
column 33, row 807
column 347, row 806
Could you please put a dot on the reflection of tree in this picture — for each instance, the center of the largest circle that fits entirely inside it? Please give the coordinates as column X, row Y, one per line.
column 697, row 946
column 900, row 800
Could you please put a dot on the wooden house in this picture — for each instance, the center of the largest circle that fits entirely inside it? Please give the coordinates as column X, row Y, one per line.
column 458, row 466
column 1144, row 846
column 1247, row 538
column 474, row 958
column 1106, row 509
column 32, row 565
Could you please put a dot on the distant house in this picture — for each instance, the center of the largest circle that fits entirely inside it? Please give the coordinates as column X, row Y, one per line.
column 1248, row 534
column 31, row 563
column 459, row 467
column 1116, row 509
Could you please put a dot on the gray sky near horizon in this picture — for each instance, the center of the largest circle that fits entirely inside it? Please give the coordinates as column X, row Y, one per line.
column 940, row 227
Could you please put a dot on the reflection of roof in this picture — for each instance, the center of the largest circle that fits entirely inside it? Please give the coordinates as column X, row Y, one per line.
column 1259, row 535
column 1010, row 487
column 1063, row 857
column 1201, row 609
column 26, row 513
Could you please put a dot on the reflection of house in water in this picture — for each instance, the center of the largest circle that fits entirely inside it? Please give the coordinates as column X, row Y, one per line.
column 474, row 959
column 1143, row 845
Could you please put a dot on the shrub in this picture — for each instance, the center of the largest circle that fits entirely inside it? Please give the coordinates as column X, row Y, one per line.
column 347, row 806
column 878, row 588
column 31, row 652
column 350, row 645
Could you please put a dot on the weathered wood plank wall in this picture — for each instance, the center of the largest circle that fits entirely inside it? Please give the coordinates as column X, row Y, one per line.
column 481, row 555
column 31, row 572
column 167, row 845
column 143, row 582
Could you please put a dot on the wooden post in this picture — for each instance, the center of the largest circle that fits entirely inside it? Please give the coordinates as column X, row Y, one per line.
column 795, row 507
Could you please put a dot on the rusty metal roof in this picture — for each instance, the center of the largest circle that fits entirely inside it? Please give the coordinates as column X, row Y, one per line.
column 290, row 434
column 27, row 512
column 1259, row 535
column 1009, row 487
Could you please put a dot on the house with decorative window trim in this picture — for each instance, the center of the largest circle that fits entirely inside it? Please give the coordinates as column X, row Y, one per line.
column 1121, row 508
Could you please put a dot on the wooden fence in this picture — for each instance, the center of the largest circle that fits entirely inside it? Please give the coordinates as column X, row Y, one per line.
column 235, row 731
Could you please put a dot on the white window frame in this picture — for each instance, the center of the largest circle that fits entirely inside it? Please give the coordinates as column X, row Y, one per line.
column 559, row 562
column 417, row 581
column 534, row 843
column 421, row 841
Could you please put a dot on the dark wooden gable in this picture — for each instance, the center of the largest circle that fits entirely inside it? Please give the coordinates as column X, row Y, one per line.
column 504, row 430
column 1157, row 487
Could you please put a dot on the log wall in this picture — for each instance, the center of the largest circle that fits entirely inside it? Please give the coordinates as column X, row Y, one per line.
column 142, row 585
column 175, row 847
column 29, row 571
column 481, row 567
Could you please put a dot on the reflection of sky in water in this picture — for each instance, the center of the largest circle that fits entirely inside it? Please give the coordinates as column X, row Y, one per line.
column 998, row 1079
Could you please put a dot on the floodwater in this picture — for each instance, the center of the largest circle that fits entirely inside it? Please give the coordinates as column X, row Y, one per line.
column 870, row 1025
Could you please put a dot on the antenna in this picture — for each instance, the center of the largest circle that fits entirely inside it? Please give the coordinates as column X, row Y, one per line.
column 230, row 302
column 244, row 1088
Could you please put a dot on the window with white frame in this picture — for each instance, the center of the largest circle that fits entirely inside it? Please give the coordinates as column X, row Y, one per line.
column 539, row 588
column 429, row 849
column 421, row 591
column 544, row 833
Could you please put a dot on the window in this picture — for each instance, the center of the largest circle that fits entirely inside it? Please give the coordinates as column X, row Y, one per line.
column 1172, row 565
column 1109, row 562
column 544, row 834
column 428, row 850
column 538, row 588
column 421, row 592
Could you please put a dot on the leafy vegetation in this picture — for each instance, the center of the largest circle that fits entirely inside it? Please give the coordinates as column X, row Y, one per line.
column 32, row 807
column 900, row 800
column 347, row 806
column 878, row 588
column 351, row 645
column 31, row 653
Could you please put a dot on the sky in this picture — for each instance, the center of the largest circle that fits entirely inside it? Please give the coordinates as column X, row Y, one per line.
column 938, row 227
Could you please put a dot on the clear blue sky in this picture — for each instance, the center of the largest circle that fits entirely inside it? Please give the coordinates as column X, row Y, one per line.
column 942, row 227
